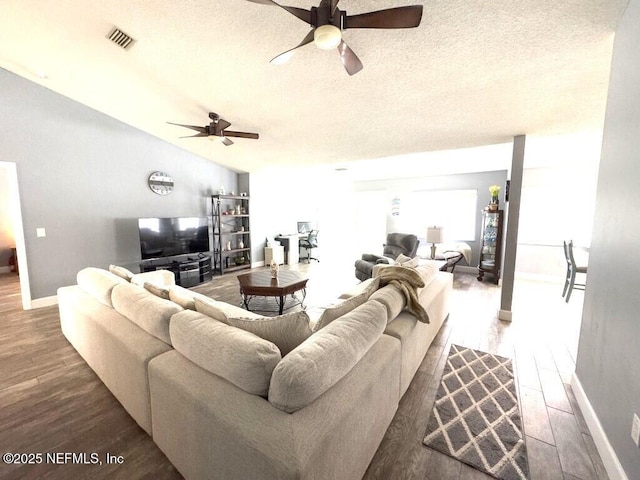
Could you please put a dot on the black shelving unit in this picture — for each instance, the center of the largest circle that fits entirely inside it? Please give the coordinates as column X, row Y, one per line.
column 231, row 233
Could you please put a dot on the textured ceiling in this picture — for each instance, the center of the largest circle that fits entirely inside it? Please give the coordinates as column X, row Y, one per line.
column 474, row 73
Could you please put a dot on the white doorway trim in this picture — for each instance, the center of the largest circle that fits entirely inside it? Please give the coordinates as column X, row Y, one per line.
column 18, row 231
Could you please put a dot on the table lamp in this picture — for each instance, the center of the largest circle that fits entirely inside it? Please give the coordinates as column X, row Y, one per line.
column 434, row 235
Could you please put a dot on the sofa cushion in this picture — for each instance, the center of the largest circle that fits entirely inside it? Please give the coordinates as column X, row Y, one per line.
column 407, row 261
column 157, row 290
column 184, row 297
column 285, row 331
column 427, row 272
column 236, row 355
column 149, row 312
column 221, row 311
column 98, row 283
column 369, row 286
column 391, row 298
column 325, row 357
column 157, row 277
column 330, row 313
column 121, row 272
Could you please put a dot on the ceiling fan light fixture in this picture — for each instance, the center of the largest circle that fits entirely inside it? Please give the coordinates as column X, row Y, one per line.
column 327, row 37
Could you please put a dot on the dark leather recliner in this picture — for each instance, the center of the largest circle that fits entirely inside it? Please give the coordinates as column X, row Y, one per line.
column 397, row 243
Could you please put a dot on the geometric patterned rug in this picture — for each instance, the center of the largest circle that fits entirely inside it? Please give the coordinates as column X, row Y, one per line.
column 475, row 418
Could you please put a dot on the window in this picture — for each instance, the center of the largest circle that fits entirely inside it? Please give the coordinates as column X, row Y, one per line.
column 454, row 210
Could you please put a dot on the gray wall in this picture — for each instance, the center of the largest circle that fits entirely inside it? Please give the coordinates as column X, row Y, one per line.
column 609, row 347
column 480, row 181
column 83, row 176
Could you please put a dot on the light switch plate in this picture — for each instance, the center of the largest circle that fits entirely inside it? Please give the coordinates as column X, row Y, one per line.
column 41, row 232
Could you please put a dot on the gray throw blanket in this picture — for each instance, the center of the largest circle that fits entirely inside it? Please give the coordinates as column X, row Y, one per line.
column 408, row 281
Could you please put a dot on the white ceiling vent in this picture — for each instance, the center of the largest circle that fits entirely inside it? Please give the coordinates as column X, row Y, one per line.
column 120, row 38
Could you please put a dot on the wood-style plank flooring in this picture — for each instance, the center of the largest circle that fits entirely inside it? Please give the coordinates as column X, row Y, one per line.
column 51, row 401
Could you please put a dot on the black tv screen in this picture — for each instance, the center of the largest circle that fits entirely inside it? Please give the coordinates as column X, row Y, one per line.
column 166, row 237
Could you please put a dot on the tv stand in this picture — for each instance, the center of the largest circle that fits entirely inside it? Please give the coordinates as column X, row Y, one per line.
column 188, row 271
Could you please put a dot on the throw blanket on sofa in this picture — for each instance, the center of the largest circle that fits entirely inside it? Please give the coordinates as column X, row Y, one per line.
column 408, row 281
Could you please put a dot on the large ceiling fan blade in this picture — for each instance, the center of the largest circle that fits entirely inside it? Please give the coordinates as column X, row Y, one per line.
column 350, row 60
column 196, row 135
column 400, row 17
column 228, row 133
column 192, row 127
column 301, row 13
column 284, row 57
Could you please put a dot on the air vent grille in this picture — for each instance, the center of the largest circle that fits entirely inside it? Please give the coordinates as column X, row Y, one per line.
column 120, row 38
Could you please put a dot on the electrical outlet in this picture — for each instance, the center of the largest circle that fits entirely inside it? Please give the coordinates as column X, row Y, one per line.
column 635, row 430
column 41, row 232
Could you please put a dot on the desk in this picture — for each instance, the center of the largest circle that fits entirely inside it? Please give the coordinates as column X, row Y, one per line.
column 291, row 249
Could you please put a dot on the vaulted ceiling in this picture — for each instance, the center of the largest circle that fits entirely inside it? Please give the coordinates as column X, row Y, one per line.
column 473, row 73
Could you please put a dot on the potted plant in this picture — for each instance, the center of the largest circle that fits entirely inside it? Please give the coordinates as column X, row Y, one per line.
column 494, row 191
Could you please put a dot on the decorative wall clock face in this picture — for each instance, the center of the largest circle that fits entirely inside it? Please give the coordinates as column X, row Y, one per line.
column 161, row 183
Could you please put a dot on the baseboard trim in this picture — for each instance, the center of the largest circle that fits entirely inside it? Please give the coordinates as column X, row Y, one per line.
column 605, row 449
column 257, row 264
column 44, row 302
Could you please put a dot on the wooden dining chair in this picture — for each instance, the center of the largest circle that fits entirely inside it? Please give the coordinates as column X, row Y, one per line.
column 572, row 271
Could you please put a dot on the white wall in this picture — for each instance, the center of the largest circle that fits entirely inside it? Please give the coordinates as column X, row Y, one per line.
column 282, row 197
column 558, row 200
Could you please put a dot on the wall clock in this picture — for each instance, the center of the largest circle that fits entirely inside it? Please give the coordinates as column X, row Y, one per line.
column 161, row 183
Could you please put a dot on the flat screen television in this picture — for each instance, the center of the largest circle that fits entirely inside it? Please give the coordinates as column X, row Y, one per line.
column 167, row 237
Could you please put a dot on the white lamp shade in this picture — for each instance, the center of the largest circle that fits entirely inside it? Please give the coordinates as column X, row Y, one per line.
column 434, row 234
column 327, row 37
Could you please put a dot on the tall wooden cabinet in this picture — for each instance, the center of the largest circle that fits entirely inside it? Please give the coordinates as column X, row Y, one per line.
column 491, row 244
column 231, row 234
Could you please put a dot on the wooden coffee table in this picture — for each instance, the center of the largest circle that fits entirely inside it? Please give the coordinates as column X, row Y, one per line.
column 261, row 284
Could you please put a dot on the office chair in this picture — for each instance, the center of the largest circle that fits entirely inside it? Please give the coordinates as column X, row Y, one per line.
column 310, row 242
column 572, row 270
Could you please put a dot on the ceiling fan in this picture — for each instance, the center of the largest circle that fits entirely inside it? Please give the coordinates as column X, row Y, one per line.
column 327, row 23
column 217, row 128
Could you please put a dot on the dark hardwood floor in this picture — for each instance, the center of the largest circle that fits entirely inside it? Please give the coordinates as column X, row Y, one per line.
column 50, row 401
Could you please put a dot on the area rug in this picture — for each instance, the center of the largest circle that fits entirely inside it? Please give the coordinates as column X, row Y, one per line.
column 475, row 418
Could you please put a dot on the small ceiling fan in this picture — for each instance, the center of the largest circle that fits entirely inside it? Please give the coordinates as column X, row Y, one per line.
column 327, row 23
column 217, row 128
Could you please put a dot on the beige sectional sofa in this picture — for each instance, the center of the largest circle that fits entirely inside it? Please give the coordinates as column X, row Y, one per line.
column 224, row 403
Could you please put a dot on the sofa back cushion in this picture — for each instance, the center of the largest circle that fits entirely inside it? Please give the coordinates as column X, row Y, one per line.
column 122, row 272
column 326, row 357
column 98, row 283
column 285, row 331
column 143, row 308
column 392, row 299
column 330, row 313
column 221, row 311
column 367, row 286
column 236, row 355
